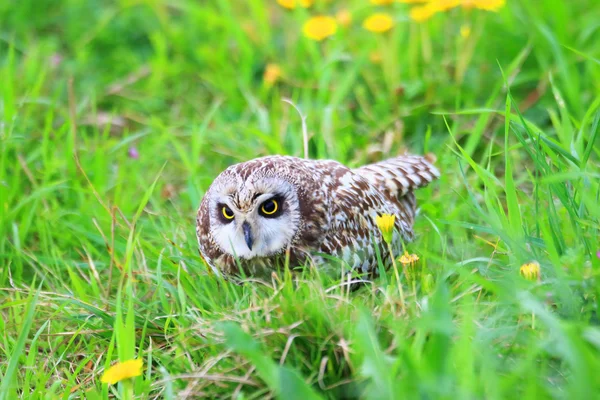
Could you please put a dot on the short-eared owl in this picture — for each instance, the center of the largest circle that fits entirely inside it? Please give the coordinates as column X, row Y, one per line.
column 257, row 213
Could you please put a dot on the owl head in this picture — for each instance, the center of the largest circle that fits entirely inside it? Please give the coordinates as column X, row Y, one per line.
column 253, row 213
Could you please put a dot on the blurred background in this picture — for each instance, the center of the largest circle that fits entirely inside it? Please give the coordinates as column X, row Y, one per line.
column 200, row 83
column 115, row 117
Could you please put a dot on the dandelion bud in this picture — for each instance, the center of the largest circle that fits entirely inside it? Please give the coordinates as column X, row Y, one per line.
column 385, row 223
column 408, row 259
column 531, row 271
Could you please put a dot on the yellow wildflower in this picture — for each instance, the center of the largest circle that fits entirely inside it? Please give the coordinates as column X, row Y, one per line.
column 407, row 259
column 343, row 17
column 531, row 271
column 412, row 1
column 422, row 13
column 121, row 371
column 381, row 2
column 272, row 74
column 487, row 5
column 385, row 223
column 379, row 22
column 291, row 4
column 465, row 31
column 445, row 5
column 319, row 27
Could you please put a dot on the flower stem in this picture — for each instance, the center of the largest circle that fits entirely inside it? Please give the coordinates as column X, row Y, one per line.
column 397, row 276
column 127, row 387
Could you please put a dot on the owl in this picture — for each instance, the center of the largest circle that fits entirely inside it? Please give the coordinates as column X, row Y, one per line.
column 278, row 210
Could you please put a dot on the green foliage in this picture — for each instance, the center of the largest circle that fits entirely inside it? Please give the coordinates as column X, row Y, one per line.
column 281, row 380
column 115, row 117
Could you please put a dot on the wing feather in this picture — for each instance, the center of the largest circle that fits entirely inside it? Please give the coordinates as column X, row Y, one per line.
column 400, row 175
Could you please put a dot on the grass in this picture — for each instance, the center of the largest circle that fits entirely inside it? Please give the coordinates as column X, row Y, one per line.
column 116, row 116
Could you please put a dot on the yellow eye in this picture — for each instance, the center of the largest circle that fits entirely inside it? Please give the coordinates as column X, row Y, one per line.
column 227, row 213
column 269, row 207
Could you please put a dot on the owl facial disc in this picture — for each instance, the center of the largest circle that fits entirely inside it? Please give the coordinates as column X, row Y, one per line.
column 255, row 217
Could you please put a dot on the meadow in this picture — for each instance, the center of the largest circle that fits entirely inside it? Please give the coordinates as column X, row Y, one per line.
column 115, row 117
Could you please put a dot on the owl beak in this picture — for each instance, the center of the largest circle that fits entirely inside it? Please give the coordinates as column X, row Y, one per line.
column 248, row 234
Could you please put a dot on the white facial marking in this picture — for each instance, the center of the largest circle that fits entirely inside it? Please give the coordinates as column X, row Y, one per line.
column 269, row 235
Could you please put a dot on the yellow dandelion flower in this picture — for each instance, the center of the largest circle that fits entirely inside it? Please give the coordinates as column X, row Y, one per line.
column 121, row 371
column 426, row 11
column 344, row 17
column 385, row 223
column 381, row 2
column 272, row 74
column 491, row 5
column 408, row 262
column 465, row 31
column 434, row 6
column 291, row 4
column 445, row 5
column 412, row 1
column 408, row 259
column 319, row 27
column 422, row 13
column 487, row 5
column 531, row 271
column 379, row 23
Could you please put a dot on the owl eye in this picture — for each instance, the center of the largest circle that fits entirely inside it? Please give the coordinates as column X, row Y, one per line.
column 269, row 207
column 227, row 213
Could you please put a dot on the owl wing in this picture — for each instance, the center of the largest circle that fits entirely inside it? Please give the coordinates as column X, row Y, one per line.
column 353, row 234
column 401, row 175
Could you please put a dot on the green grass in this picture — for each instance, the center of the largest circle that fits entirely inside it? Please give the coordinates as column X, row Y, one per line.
column 98, row 255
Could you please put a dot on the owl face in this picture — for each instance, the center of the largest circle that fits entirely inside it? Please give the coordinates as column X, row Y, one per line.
column 254, row 217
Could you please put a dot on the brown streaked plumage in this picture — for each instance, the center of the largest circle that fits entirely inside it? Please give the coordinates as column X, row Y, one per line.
column 320, row 208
